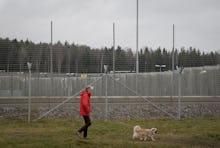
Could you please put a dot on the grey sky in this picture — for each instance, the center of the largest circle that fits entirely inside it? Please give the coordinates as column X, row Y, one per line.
column 90, row 22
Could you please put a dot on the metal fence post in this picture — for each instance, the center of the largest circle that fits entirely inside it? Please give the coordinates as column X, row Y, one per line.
column 179, row 91
column 12, row 88
column 106, row 91
column 51, row 64
column 179, row 95
column 106, row 96
column 29, row 92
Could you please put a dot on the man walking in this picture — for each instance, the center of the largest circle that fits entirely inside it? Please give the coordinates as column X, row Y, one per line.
column 85, row 109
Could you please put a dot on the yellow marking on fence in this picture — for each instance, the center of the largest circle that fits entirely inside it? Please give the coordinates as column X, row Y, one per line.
column 83, row 76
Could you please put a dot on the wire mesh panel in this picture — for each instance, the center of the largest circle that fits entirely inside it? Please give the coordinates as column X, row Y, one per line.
column 75, row 66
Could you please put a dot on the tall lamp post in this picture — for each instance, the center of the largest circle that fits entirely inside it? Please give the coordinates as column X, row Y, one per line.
column 137, row 56
column 113, row 55
column 29, row 92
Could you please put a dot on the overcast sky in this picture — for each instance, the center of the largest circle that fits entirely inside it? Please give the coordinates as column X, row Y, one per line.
column 90, row 22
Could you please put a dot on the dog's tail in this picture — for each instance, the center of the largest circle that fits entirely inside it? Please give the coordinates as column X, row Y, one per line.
column 136, row 128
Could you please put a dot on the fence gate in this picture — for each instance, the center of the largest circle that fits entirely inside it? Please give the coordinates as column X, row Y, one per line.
column 112, row 98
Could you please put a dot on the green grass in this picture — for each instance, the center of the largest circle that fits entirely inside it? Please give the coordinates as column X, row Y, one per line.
column 115, row 133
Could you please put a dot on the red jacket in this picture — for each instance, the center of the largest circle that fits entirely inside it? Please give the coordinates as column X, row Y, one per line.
column 85, row 107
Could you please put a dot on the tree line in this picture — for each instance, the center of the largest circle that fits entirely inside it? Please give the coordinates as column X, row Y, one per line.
column 74, row 58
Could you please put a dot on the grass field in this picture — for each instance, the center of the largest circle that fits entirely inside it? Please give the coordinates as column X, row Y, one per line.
column 114, row 133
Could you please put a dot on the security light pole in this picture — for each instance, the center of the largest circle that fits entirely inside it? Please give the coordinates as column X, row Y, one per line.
column 113, row 68
column 51, row 62
column 51, row 49
column 173, row 51
column 137, row 56
column 172, row 65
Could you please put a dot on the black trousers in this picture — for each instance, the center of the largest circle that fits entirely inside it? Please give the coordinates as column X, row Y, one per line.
column 84, row 128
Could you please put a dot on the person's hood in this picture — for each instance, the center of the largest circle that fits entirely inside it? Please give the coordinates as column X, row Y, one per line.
column 85, row 92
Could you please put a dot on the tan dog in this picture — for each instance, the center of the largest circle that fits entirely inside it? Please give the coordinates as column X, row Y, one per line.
column 143, row 134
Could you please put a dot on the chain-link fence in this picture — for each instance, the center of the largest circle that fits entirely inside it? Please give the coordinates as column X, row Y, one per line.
column 154, row 90
column 198, row 81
